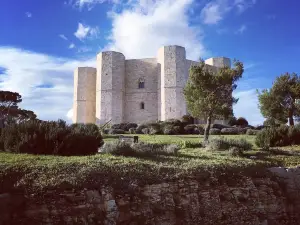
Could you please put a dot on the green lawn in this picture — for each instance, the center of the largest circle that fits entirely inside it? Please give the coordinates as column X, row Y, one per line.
column 37, row 173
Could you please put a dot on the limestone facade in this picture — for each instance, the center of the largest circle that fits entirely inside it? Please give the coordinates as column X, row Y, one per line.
column 134, row 90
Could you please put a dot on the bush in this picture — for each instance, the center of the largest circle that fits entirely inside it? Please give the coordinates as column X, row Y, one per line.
column 214, row 131
column 271, row 122
column 139, row 149
column 193, row 129
column 225, row 144
column 230, row 131
column 124, row 126
column 231, row 121
column 132, row 131
column 220, row 126
column 171, row 130
column 189, row 144
column 130, row 125
column 235, row 151
column 117, row 148
column 251, row 132
column 187, row 119
column 153, row 128
column 242, row 122
column 146, row 130
column 116, row 131
column 56, row 138
column 278, row 136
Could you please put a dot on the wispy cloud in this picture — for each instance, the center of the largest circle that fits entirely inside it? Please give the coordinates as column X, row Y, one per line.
column 72, row 45
column 28, row 14
column 241, row 29
column 215, row 11
column 85, row 31
column 63, row 37
column 45, row 82
column 243, row 5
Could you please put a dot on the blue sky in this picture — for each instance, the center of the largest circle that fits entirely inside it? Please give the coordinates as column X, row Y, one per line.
column 42, row 42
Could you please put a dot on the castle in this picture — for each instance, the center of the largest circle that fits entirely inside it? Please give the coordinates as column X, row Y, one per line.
column 135, row 90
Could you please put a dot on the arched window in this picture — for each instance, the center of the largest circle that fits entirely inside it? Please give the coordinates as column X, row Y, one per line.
column 141, row 83
column 142, row 105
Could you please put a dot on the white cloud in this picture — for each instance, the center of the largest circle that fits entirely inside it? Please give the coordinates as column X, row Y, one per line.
column 63, row 37
column 72, row 45
column 28, row 14
column 25, row 70
column 142, row 29
column 242, row 5
column 84, row 31
column 89, row 4
column 247, row 107
column 212, row 13
column 242, row 29
column 215, row 11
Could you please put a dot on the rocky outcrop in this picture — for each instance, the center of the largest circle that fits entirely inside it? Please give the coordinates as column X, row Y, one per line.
column 269, row 200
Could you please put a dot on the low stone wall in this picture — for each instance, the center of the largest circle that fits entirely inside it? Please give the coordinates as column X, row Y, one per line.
column 252, row 201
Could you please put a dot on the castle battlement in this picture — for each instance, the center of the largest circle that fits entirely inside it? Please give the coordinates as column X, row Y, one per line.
column 135, row 90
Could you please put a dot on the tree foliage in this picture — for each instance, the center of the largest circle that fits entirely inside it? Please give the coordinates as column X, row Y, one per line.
column 279, row 102
column 209, row 93
column 10, row 111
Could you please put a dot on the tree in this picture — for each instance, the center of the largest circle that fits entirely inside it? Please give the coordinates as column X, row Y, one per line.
column 279, row 102
column 241, row 121
column 9, row 110
column 209, row 94
column 231, row 121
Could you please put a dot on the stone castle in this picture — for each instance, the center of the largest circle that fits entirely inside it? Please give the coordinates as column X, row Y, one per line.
column 135, row 90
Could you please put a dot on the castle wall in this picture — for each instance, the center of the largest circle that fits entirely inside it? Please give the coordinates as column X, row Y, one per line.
column 84, row 107
column 173, row 78
column 110, row 87
column 148, row 70
column 111, row 92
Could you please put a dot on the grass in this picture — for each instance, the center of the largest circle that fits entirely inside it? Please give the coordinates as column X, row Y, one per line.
column 39, row 173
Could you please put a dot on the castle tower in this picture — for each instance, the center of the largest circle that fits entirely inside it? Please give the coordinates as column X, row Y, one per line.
column 84, row 107
column 110, row 87
column 174, row 75
column 218, row 62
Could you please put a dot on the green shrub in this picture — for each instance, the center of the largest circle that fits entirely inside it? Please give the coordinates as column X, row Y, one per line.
column 219, row 126
column 278, row 136
column 130, row 125
column 139, row 149
column 116, row 131
column 124, row 126
column 241, row 121
column 231, row 121
column 190, row 129
column 140, row 128
column 146, row 130
column 189, row 144
column 153, row 128
column 214, row 131
column 172, row 130
column 187, row 119
column 193, row 129
column 235, row 151
column 56, row 138
column 132, row 130
column 118, row 148
column 251, row 132
column 222, row 144
column 230, row 131
column 199, row 130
